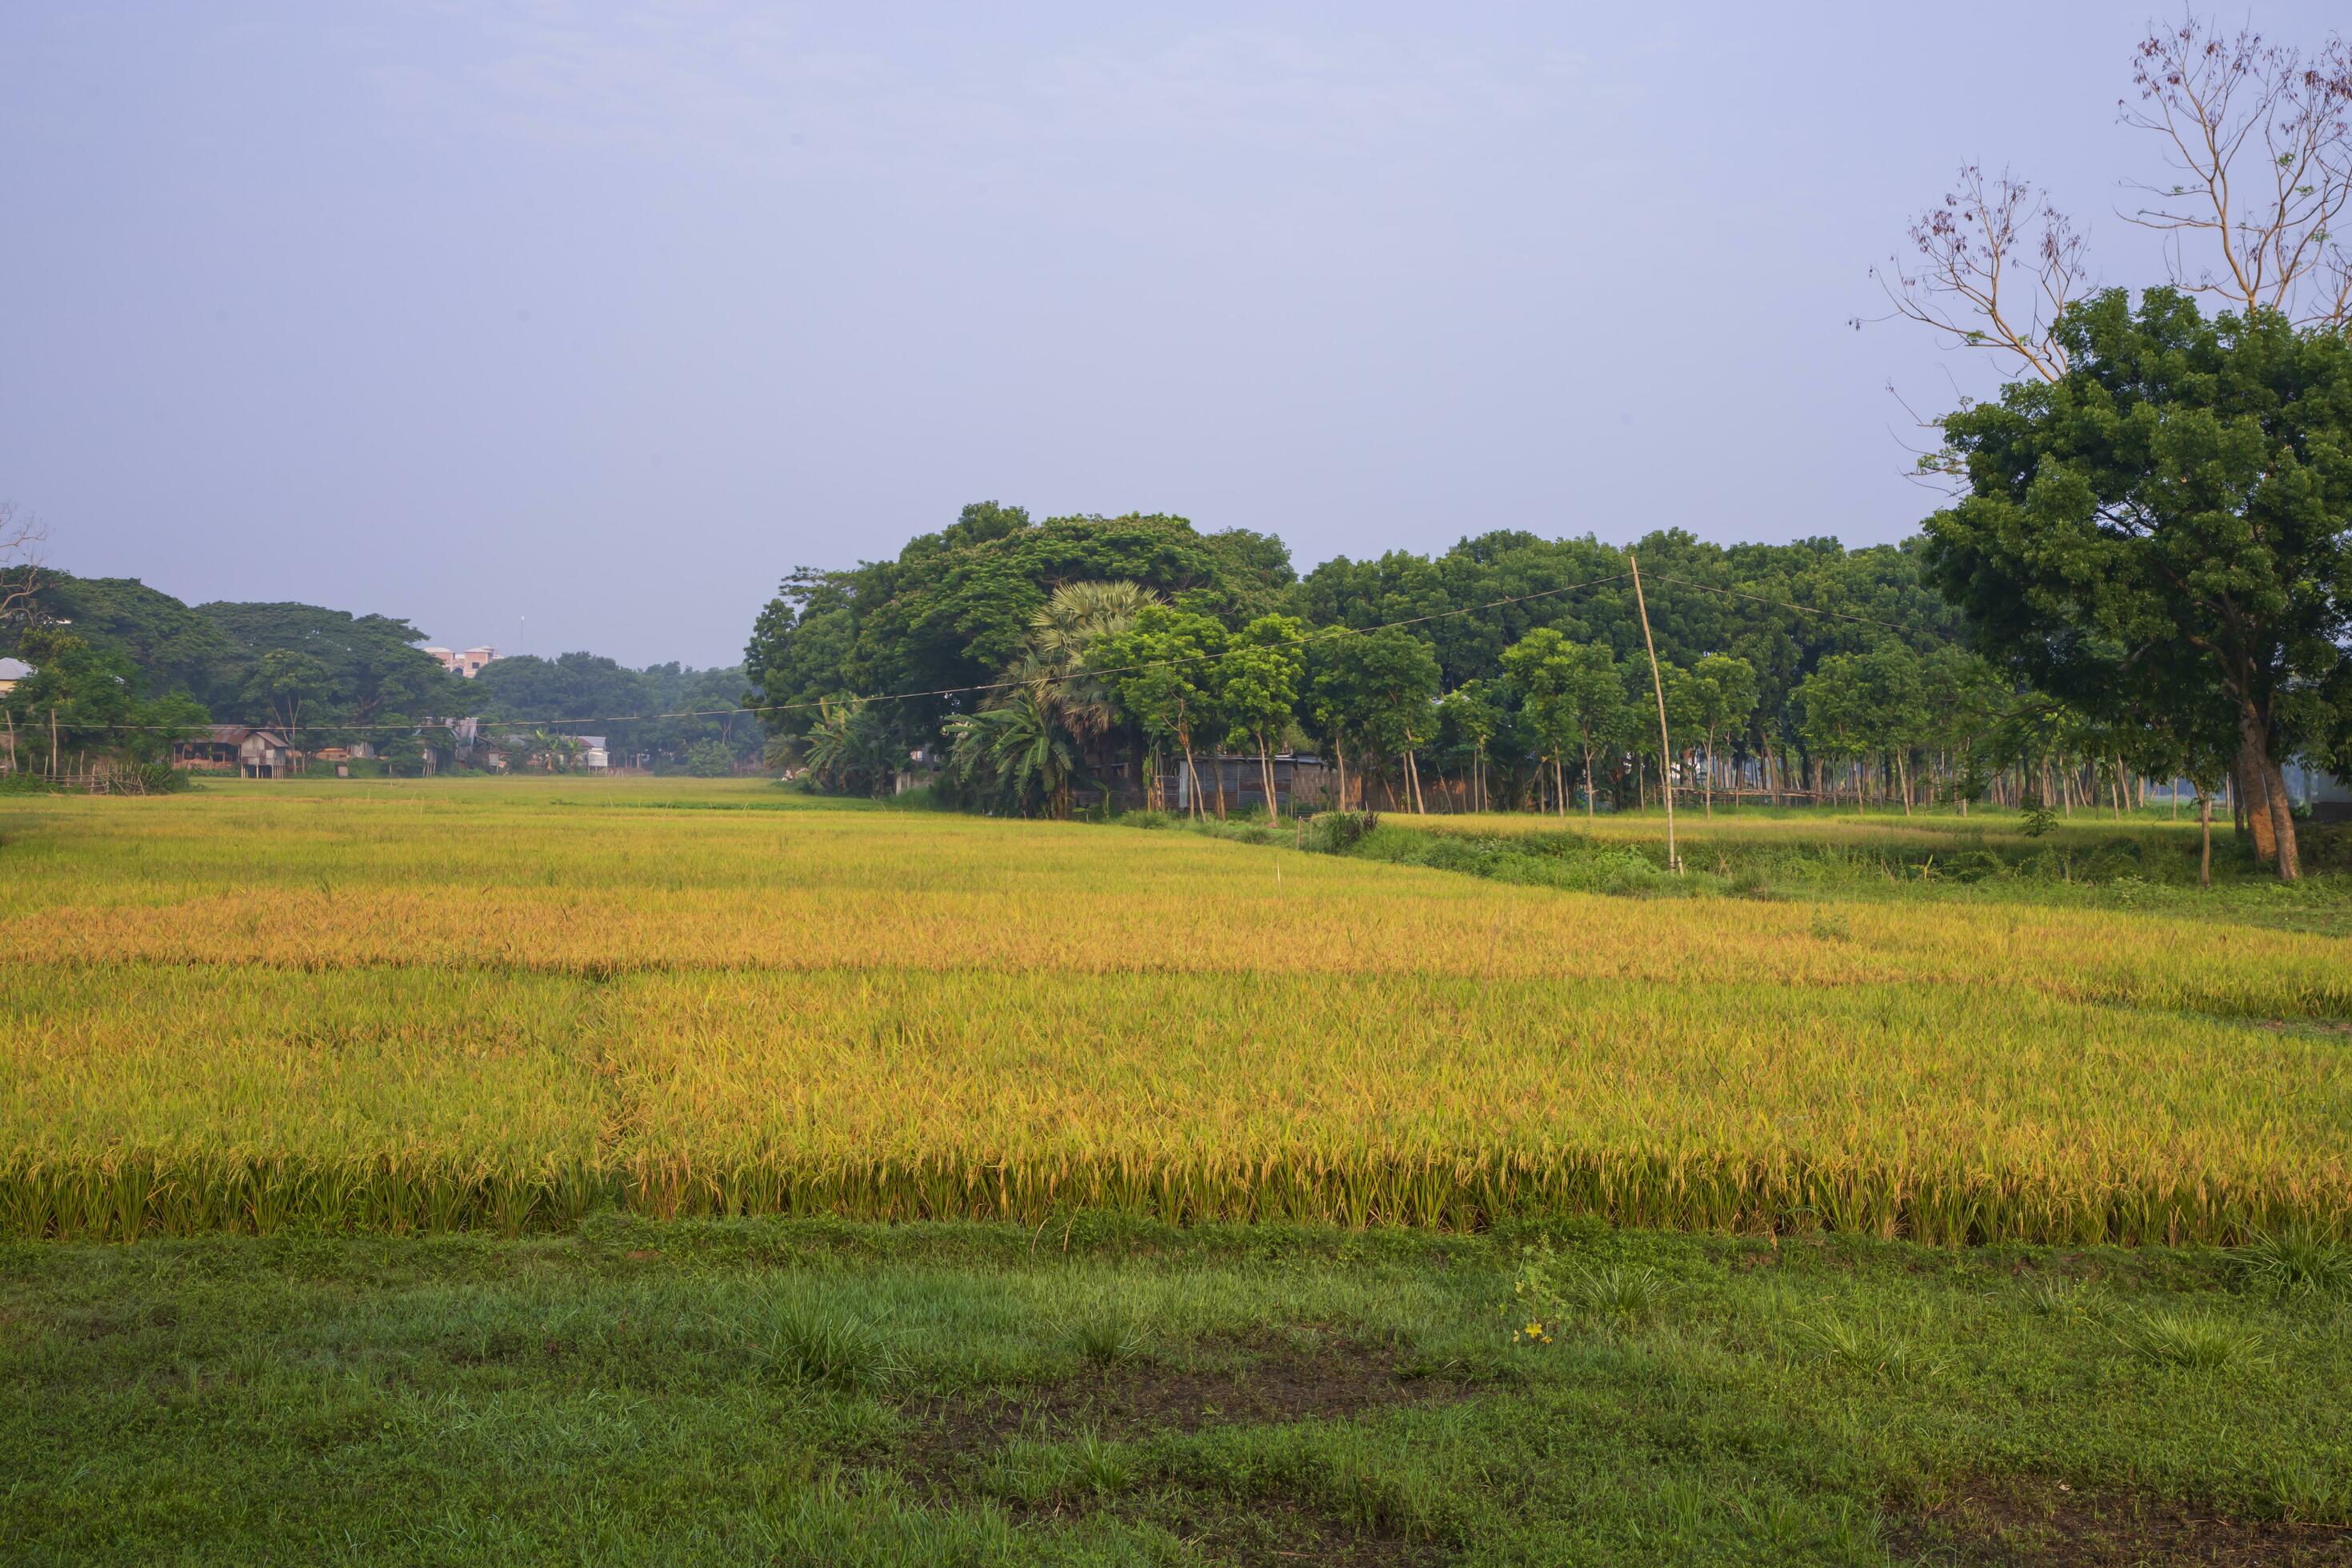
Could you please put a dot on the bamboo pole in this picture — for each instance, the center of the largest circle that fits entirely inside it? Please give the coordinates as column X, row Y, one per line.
column 1658, row 689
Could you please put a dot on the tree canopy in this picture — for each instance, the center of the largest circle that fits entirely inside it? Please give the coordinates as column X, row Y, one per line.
column 2167, row 526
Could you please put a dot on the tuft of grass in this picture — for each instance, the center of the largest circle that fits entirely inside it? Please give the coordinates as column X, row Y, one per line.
column 821, row 1349
column 2191, row 1341
column 2069, row 1300
column 1110, row 1339
column 1625, row 1293
column 2298, row 1261
column 1872, row 1350
column 1547, row 1293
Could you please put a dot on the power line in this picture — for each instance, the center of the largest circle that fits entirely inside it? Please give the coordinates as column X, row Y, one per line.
column 1788, row 605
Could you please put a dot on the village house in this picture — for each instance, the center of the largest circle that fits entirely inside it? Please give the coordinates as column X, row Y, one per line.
column 1300, row 783
column 237, row 748
column 13, row 670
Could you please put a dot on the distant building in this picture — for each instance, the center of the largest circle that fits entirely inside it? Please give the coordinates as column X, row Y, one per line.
column 13, row 670
column 236, row 749
column 2327, row 797
column 467, row 664
column 1300, row 783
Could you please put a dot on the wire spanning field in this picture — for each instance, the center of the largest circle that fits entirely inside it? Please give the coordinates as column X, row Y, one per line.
column 437, row 1006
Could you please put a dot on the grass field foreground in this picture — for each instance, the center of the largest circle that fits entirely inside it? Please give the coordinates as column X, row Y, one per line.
column 811, row 1393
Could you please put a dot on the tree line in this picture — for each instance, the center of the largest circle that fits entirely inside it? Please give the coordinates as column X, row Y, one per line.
column 123, row 670
column 1518, row 677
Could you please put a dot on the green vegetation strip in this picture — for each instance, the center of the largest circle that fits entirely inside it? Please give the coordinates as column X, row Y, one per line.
column 1100, row 1391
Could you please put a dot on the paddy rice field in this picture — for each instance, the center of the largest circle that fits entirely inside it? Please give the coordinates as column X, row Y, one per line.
column 503, row 1005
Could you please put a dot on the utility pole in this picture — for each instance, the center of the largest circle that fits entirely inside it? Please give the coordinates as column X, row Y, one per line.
column 1658, row 688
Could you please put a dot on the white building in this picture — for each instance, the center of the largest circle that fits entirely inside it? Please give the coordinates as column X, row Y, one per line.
column 467, row 664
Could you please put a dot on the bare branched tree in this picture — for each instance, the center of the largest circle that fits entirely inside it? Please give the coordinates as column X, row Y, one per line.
column 21, row 541
column 1994, row 267
column 2260, row 137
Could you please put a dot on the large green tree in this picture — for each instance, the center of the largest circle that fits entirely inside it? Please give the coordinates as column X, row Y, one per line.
column 1257, row 687
column 957, row 607
column 2165, row 522
column 175, row 648
column 1162, row 667
column 1717, row 695
column 82, row 699
column 369, row 672
column 1375, row 696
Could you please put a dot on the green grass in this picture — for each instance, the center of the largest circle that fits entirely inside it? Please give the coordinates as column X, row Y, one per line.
column 1099, row 1390
column 2146, row 861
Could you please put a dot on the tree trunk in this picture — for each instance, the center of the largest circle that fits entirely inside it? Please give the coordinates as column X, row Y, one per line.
column 2269, row 804
column 1266, row 772
column 1191, row 783
column 2204, row 836
column 2253, row 795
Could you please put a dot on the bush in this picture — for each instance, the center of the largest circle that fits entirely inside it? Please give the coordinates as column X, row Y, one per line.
column 1336, row 832
column 710, row 760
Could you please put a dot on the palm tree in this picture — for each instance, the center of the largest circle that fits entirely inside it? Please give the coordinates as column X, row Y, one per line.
column 845, row 744
column 1018, row 752
column 1059, row 635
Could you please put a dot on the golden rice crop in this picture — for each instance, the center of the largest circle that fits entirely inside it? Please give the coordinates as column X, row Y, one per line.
column 423, row 1006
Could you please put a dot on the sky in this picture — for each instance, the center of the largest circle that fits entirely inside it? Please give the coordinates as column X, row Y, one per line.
column 554, row 326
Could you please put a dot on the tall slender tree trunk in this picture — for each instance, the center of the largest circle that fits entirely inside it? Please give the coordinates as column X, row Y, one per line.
column 1266, row 772
column 1191, row 783
column 2204, row 836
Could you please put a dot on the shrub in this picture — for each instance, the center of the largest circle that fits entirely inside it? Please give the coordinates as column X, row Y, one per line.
column 2298, row 1261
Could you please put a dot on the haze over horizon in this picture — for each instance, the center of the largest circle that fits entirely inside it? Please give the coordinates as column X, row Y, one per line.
column 610, row 318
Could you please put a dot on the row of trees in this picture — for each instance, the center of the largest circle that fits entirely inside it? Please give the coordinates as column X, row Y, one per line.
column 124, row 670
column 916, row 624
column 1113, row 673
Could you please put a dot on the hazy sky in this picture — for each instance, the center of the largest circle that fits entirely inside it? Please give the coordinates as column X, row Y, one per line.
column 608, row 316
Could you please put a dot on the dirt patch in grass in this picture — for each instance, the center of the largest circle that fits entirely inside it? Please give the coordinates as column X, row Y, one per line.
column 1258, row 1386
column 2039, row 1526
column 2336, row 1028
column 1282, row 1530
column 948, row 1441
